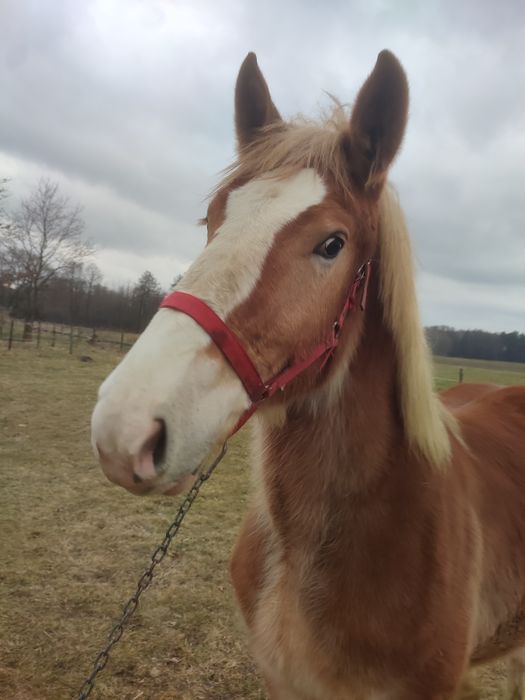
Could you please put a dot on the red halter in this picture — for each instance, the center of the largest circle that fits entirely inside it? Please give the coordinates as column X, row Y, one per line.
column 232, row 349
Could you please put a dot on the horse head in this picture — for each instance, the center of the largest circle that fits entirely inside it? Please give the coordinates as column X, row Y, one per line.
column 289, row 228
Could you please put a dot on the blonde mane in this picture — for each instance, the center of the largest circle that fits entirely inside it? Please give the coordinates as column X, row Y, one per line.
column 283, row 149
column 279, row 152
column 427, row 422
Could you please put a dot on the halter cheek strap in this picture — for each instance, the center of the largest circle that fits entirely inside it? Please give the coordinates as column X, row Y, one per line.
column 232, row 349
column 223, row 337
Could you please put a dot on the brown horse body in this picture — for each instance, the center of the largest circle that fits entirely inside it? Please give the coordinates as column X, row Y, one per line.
column 363, row 573
column 384, row 552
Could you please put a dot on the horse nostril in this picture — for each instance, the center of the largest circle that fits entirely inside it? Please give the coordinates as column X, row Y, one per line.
column 159, row 449
column 147, row 462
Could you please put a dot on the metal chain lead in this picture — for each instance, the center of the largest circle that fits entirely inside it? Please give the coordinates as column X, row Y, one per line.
column 145, row 580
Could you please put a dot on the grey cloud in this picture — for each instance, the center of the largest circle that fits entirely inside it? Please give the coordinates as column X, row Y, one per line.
column 130, row 104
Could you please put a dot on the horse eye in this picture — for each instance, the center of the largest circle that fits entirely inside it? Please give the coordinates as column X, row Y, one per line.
column 330, row 248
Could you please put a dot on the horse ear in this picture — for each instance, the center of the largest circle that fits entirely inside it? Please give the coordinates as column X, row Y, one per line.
column 378, row 121
column 254, row 108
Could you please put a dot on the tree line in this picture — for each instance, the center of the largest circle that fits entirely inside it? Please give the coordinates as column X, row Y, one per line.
column 46, row 271
column 478, row 344
column 81, row 299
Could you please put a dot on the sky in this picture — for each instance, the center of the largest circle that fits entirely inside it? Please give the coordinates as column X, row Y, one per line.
column 128, row 105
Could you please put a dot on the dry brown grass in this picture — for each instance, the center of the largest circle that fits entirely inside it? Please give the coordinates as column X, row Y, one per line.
column 73, row 547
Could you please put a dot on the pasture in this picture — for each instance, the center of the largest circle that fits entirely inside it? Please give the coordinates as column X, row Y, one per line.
column 73, row 547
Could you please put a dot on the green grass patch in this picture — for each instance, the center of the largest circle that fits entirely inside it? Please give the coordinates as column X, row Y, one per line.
column 446, row 372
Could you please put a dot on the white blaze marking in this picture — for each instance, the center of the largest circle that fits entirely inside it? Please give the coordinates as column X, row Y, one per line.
column 228, row 270
column 160, row 376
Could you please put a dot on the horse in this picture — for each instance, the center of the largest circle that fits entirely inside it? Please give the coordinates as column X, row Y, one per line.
column 383, row 554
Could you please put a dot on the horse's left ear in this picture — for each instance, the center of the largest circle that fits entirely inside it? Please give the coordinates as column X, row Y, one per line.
column 254, row 108
column 378, row 121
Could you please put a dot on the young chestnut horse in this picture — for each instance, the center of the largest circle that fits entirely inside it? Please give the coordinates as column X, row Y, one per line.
column 384, row 552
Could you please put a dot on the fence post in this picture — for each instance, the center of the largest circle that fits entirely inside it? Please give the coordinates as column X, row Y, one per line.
column 10, row 340
column 38, row 334
column 121, row 340
column 27, row 334
column 461, row 375
column 53, row 336
column 71, row 340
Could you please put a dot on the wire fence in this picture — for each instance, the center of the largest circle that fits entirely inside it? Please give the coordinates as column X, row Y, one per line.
column 15, row 333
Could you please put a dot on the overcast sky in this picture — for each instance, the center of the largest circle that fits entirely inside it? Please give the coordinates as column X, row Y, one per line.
column 128, row 104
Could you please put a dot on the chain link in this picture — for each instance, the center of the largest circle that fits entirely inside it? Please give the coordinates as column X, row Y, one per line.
column 145, row 580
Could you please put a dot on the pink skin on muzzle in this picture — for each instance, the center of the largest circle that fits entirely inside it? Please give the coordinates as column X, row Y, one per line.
column 137, row 472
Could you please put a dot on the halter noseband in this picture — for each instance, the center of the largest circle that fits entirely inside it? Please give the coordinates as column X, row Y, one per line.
column 233, row 350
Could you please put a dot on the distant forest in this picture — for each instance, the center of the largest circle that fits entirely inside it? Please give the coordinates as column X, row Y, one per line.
column 80, row 299
column 46, row 275
column 46, row 272
column 481, row 345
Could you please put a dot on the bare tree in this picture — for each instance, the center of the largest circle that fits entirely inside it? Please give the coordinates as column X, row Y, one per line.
column 4, row 225
column 147, row 294
column 45, row 239
column 81, row 282
column 93, row 279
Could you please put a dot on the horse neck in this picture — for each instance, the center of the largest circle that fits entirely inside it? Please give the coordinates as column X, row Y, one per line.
column 318, row 463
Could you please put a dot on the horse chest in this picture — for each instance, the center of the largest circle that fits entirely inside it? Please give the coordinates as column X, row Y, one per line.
column 291, row 658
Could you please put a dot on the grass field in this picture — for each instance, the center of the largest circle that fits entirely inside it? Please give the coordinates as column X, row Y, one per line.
column 477, row 371
column 73, row 547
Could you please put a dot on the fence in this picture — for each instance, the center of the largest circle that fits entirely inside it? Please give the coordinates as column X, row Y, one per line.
column 60, row 335
column 451, row 380
column 40, row 334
